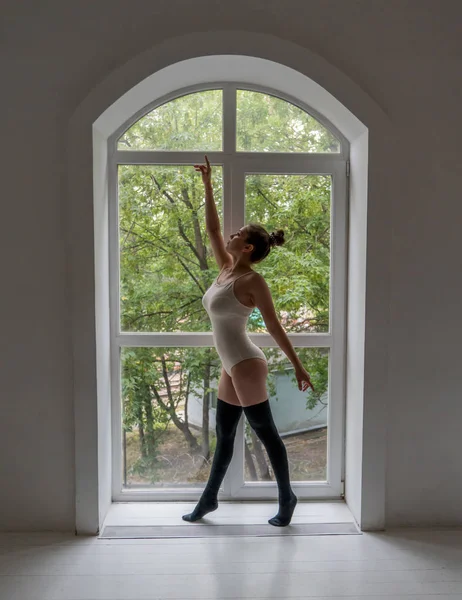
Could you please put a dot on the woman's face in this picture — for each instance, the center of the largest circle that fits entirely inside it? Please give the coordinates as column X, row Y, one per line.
column 237, row 241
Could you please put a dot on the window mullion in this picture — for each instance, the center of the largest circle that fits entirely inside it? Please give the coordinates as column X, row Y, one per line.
column 238, row 196
column 204, row 339
column 229, row 147
column 147, row 157
column 259, row 159
column 229, row 118
column 288, row 164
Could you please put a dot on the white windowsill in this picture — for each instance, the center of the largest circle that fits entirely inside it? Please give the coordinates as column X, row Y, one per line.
column 228, row 513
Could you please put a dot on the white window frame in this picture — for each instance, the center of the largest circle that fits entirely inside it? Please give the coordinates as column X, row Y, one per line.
column 235, row 167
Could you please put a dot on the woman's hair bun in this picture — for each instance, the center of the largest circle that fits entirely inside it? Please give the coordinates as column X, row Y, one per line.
column 277, row 238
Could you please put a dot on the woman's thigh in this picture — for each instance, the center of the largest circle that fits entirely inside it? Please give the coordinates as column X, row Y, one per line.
column 249, row 381
column 226, row 391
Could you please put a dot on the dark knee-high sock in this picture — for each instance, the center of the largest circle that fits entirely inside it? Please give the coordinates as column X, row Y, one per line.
column 261, row 420
column 227, row 419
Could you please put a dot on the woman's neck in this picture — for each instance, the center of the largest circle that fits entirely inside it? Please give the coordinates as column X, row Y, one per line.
column 241, row 266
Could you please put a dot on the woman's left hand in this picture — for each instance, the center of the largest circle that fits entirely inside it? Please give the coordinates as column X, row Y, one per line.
column 303, row 378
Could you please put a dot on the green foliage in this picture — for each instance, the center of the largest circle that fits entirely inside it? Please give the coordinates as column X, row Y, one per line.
column 192, row 122
column 297, row 273
column 165, row 265
column 146, row 467
column 268, row 124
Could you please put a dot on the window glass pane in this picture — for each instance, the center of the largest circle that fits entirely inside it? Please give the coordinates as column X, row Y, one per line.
column 300, row 417
column 298, row 272
column 168, row 435
column 168, row 439
column 268, row 124
column 166, row 263
column 190, row 123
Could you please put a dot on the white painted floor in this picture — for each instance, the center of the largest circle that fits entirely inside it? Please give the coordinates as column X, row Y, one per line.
column 228, row 513
column 401, row 564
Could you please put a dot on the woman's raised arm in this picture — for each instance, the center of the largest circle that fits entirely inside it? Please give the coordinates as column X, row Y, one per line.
column 212, row 222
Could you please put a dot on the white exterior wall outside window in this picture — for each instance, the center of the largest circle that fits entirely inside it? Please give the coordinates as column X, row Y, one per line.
column 236, row 167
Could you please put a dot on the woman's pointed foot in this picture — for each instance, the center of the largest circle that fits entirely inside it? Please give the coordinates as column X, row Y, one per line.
column 203, row 508
column 286, row 510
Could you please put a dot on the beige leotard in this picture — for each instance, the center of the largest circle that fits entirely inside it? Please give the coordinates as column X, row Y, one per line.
column 229, row 319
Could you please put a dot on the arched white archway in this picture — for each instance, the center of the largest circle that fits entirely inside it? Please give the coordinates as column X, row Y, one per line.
column 256, row 59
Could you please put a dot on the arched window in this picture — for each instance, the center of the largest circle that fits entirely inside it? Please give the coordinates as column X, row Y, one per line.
column 274, row 162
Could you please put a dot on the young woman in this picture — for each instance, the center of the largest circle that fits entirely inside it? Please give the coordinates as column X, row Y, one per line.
column 233, row 295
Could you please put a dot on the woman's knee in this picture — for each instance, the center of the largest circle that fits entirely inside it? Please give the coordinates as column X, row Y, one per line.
column 227, row 419
column 226, row 429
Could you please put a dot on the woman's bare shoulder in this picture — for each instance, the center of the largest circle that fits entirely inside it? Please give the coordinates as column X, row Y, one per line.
column 256, row 276
column 256, row 280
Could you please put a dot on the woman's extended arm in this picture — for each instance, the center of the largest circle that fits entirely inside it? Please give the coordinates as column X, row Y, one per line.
column 263, row 301
column 276, row 330
column 212, row 222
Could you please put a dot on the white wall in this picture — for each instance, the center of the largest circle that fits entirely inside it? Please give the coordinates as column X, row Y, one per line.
column 407, row 57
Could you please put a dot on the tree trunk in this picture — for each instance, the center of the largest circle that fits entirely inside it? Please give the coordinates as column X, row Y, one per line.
column 139, row 415
column 183, row 427
column 186, row 402
column 170, row 408
column 261, row 460
column 150, row 435
column 250, row 463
